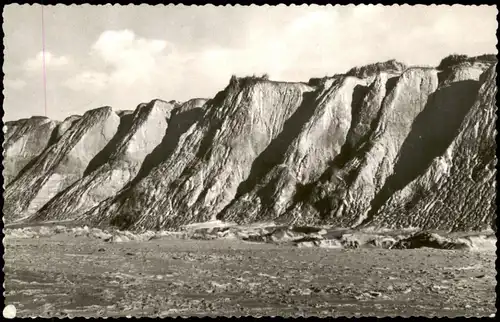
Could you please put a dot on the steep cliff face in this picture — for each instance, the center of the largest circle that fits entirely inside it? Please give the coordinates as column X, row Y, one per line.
column 201, row 175
column 456, row 188
column 383, row 145
column 23, row 141
column 66, row 125
column 61, row 164
column 343, row 194
column 114, row 166
column 316, row 138
column 418, row 120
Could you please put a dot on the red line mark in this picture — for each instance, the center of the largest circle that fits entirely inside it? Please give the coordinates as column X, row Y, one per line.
column 43, row 60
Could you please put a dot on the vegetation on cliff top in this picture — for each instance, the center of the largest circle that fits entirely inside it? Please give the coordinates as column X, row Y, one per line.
column 456, row 59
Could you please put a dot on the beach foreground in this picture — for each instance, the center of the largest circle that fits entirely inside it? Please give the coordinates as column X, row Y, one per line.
column 68, row 275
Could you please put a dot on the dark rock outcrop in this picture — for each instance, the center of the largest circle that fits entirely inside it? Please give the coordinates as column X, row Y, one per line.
column 431, row 240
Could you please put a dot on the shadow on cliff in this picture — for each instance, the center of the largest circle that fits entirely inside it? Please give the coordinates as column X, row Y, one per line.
column 210, row 119
column 214, row 122
column 432, row 133
column 354, row 145
column 274, row 152
column 178, row 125
column 104, row 155
column 52, row 140
column 126, row 121
column 353, row 140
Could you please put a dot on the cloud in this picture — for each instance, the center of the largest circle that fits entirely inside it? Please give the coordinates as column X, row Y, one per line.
column 150, row 65
column 131, row 61
column 88, row 80
column 51, row 61
column 132, row 58
column 14, row 84
column 276, row 50
column 122, row 46
column 124, row 68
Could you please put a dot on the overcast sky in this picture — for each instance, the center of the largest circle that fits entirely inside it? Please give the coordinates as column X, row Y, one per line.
column 124, row 55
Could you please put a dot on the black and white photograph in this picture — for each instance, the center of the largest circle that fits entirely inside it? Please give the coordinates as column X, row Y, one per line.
column 305, row 160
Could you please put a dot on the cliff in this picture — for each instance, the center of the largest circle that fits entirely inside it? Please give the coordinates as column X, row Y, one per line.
column 23, row 141
column 383, row 145
column 202, row 173
column 60, row 164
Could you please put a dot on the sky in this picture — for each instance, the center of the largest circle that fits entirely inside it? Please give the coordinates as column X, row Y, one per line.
column 121, row 56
